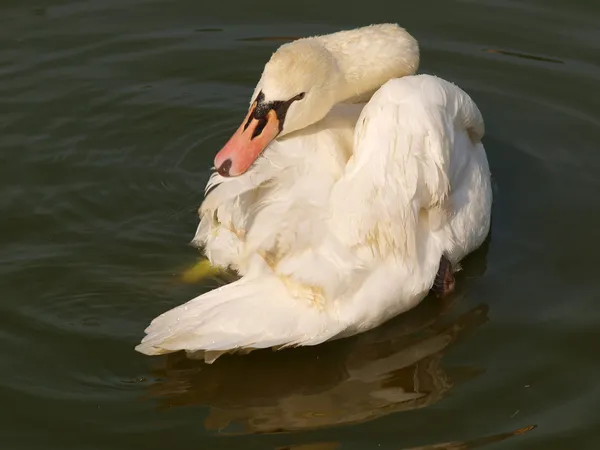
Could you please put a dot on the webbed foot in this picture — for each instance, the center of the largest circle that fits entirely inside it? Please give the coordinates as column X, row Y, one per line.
column 443, row 285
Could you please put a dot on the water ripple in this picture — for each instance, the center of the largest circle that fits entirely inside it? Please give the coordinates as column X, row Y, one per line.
column 111, row 114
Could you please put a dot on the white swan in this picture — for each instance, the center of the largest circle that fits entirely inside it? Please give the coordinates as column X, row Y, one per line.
column 345, row 219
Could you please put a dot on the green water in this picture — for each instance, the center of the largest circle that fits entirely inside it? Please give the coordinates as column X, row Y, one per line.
column 110, row 114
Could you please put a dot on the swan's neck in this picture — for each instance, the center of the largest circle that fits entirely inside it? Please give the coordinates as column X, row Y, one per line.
column 343, row 67
column 368, row 57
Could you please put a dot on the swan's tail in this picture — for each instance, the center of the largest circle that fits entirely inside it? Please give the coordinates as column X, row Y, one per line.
column 250, row 313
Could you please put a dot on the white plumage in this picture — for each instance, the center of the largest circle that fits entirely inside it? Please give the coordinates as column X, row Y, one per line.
column 342, row 222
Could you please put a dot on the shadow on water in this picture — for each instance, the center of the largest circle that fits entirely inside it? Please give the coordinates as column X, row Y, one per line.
column 396, row 367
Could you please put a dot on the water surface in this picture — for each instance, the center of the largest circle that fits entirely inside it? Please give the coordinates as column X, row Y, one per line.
column 110, row 114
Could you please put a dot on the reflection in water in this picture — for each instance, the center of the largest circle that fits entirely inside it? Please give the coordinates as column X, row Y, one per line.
column 478, row 442
column 396, row 367
column 315, row 446
column 464, row 445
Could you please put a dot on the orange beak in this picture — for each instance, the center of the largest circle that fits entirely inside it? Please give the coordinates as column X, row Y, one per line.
column 247, row 143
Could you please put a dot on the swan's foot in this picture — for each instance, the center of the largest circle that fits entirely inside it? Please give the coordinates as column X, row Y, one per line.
column 200, row 271
column 443, row 285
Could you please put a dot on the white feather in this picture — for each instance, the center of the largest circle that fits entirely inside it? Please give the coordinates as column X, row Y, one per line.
column 341, row 224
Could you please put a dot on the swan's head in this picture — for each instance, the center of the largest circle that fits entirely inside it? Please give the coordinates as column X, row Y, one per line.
column 299, row 86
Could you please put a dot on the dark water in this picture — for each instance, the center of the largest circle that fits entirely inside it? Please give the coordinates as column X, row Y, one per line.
column 110, row 114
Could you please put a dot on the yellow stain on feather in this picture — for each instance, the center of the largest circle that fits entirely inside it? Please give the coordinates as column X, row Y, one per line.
column 314, row 295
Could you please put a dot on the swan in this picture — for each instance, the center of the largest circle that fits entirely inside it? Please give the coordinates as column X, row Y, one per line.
column 351, row 189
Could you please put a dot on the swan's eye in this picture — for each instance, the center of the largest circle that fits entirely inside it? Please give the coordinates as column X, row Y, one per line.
column 299, row 96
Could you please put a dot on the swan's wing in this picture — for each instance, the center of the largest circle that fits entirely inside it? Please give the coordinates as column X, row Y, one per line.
column 394, row 192
column 403, row 164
